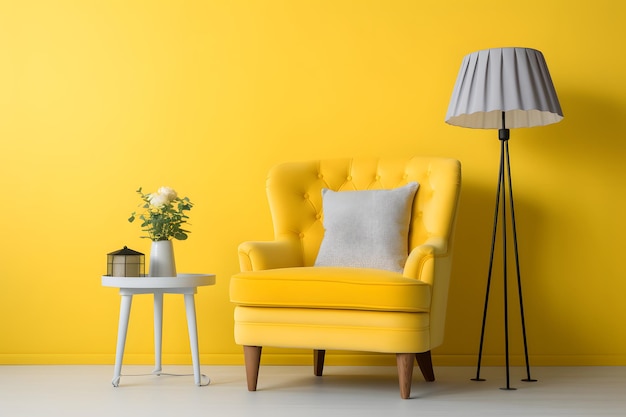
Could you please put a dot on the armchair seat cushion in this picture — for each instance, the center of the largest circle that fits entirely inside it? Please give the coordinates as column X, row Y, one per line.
column 331, row 288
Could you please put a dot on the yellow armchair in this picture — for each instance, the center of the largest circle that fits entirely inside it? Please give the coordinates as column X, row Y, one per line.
column 283, row 300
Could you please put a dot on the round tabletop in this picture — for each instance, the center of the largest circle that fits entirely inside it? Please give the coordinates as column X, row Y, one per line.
column 179, row 281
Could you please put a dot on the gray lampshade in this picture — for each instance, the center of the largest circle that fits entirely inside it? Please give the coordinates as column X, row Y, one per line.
column 515, row 81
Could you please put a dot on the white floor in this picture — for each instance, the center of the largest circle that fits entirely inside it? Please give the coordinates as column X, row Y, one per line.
column 86, row 391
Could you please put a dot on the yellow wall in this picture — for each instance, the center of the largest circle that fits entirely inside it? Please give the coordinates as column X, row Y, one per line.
column 98, row 98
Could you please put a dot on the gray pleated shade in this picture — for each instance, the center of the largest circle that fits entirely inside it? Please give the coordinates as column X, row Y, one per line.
column 515, row 81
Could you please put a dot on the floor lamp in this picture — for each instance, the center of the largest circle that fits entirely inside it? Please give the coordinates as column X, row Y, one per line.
column 504, row 88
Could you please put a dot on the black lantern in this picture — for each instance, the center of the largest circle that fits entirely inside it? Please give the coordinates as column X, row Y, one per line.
column 126, row 263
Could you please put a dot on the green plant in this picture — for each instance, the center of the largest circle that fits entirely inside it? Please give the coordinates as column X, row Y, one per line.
column 164, row 214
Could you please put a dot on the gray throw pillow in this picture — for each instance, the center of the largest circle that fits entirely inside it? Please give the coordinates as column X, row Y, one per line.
column 367, row 229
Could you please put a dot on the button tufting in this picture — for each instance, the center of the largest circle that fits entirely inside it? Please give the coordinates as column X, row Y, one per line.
column 306, row 196
column 318, row 216
column 320, row 175
column 349, row 178
column 301, row 235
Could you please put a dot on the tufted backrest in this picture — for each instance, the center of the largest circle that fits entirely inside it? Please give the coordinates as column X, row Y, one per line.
column 294, row 192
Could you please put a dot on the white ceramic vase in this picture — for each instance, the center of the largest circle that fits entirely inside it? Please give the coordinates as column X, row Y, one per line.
column 162, row 262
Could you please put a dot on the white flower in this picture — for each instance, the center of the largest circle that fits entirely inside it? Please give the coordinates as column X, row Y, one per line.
column 163, row 196
column 169, row 192
column 157, row 200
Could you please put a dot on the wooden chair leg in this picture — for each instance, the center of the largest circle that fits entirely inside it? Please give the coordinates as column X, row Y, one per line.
column 425, row 363
column 318, row 362
column 252, row 358
column 405, row 373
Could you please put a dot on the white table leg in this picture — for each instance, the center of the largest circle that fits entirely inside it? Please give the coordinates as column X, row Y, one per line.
column 190, row 307
column 158, row 331
column 122, row 328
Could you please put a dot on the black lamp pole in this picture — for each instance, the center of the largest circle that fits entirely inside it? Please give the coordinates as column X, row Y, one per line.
column 504, row 179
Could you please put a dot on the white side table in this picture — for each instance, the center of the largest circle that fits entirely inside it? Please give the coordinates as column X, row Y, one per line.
column 186, row 284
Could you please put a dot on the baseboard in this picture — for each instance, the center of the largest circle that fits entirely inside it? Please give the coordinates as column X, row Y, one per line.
column 534, row 360
column 332, row 359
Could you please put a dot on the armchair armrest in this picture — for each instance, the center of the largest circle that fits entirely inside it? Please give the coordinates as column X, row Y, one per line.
column 420, row 263
column 260, row 255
